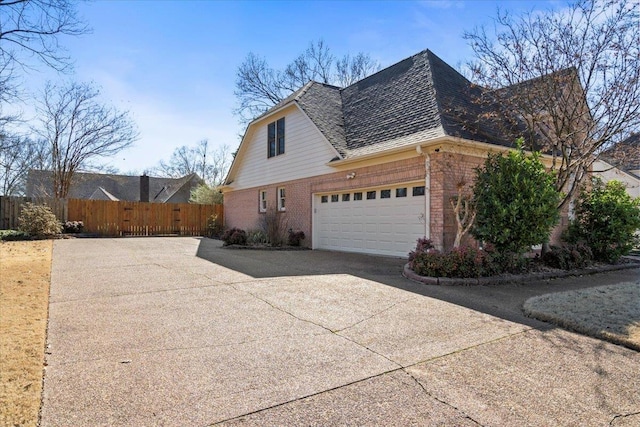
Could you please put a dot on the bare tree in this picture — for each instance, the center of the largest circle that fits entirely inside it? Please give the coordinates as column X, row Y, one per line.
column 79, row 128
column 19, row 156
column 31, row 28
column 571, row 76
column 210, row 164
column 351, row 69
column 259, row 87
column 458, row 179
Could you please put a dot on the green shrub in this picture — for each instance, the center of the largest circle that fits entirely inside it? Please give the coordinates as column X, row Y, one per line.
column 11, row 235
column 38, row 221
column 606, row 220
column 568, row 256
column 73, row 227
column 256, row 237
column 461, row 262
column 516, row 203
column 234, row 236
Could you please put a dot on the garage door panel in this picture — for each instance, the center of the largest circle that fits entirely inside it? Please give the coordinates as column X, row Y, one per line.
column 388, row 226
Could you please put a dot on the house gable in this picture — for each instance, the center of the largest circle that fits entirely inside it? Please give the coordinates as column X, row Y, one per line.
column 307, row 152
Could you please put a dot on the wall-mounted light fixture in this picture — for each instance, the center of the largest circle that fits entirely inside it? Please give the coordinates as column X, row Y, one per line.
column 351, row 175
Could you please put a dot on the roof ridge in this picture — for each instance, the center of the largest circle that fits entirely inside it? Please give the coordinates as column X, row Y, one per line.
column 422, row 52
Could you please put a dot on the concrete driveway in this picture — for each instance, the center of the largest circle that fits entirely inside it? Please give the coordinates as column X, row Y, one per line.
column 178, row 331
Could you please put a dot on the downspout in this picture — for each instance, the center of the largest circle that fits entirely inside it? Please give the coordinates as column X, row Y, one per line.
column 427, row 191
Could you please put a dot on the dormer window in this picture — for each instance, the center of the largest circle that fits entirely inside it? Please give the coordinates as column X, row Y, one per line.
column 275, row 138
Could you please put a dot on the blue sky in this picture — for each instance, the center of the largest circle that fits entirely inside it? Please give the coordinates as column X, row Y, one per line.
column 172, row 64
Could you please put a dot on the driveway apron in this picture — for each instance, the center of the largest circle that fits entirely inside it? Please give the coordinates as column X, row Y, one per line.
column 180, row 331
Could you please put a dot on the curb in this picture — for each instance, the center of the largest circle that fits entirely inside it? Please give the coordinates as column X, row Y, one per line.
column 516, row 278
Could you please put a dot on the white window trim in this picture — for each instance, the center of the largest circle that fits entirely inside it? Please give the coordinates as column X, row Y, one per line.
column 282, row 196
column 262, row 201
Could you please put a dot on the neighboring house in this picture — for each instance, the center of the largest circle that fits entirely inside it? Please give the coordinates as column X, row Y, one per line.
column 608, row 172
column 622, row 162
column 95, row 186
column 625, row 154
column 368, row 168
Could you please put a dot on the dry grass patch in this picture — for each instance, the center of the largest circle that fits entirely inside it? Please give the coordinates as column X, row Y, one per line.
column 609, row 312
column 25, row 272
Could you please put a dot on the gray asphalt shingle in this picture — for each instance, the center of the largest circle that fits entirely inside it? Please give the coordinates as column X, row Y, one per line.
column 417, row 99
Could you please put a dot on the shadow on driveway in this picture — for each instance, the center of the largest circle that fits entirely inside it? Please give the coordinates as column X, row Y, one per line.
column 504, row 301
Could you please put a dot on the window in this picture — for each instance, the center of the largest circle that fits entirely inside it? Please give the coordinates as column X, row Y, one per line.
column 385, row 194
column 346, row 197
column 371, row 195
column 281, row 199
column 263, row 201
column 401, row 192
column 275, row 138
column 280, row 136
column 357, row 196
column 324, row 199
column 418, row 191
column 334, row 198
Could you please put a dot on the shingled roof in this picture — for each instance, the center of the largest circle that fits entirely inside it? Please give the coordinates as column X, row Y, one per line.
column 625, row 154
column 417, row 99
column 96, row 186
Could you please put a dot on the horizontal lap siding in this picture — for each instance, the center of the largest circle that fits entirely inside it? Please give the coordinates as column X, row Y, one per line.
column 306, row 154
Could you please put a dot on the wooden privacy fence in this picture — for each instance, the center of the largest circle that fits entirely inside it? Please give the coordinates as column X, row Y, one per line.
column 10, row 208
column 108, row 218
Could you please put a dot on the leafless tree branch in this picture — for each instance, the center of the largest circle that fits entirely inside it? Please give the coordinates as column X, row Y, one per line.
column 210, row 164
column 260, row 87
column 78, row 129
column 572, row 76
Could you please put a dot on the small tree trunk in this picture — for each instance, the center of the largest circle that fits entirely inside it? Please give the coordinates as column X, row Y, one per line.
column 545, row 248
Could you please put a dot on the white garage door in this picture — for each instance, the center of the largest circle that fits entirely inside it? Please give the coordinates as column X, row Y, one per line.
column 385, row 221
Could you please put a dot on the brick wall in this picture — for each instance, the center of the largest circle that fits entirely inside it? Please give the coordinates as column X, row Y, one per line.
column 447, row 170
column 241, row 206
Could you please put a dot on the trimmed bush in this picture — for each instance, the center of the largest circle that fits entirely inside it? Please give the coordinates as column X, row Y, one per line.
column 73, row 227
column 568, row 256
column 12, row 235
column 516, row 203
column 234, row 236
column 606, row 220
column 461, row 262
column 38, row 221
column 295, row 237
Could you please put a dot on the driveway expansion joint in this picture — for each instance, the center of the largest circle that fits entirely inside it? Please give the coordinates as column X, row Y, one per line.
column 305, row 397
column 374, row 315
column 336, row 333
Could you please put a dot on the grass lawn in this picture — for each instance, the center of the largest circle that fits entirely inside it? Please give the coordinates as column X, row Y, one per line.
column 609, row 312
column 25, row 272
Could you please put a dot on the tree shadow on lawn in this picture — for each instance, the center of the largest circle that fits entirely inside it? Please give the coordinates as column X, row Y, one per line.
column 504, row 300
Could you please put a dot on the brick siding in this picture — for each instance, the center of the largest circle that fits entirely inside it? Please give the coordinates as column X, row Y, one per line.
column 447, row 169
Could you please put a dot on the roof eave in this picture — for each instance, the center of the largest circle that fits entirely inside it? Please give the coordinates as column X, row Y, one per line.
column 384, row 153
